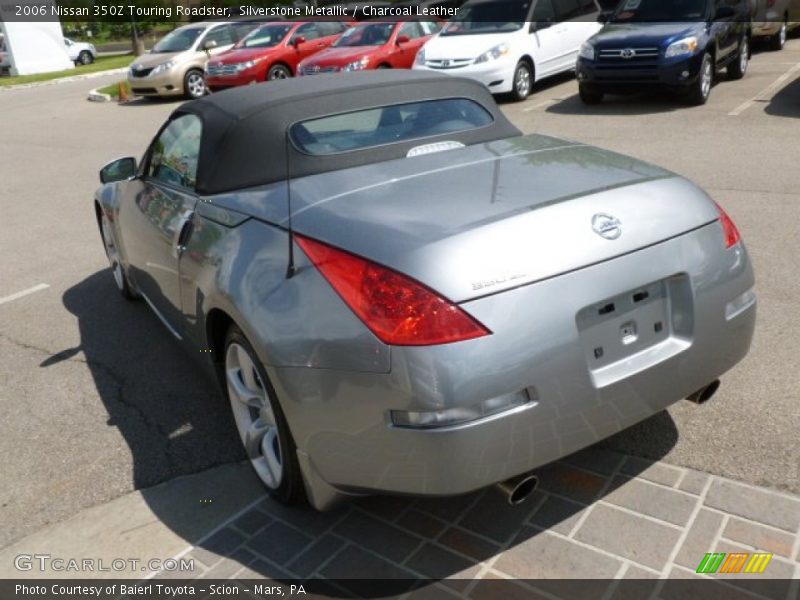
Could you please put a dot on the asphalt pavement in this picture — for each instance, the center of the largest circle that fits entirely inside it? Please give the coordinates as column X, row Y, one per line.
column 96, row 399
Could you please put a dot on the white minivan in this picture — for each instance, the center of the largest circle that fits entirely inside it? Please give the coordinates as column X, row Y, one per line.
column 508, row 56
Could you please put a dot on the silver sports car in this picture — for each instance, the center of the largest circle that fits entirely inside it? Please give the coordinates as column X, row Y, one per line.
column 401, row 293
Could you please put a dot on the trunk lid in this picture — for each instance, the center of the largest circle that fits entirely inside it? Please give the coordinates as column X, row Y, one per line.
column 486, row 218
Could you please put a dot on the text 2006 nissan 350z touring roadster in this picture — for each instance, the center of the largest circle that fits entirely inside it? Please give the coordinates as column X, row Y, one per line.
column 403, row 294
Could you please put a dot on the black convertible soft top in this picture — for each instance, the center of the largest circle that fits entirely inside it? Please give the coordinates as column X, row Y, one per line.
column 244, row 141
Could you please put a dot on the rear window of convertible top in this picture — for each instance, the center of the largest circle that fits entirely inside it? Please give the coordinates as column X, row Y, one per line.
column 372, row 127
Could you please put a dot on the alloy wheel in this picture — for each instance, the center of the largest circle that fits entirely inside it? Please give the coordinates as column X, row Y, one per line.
column 782, row 34
column 254, row 415
column 744, row 56
column 112, row 253
column 522, row 81
column 278, row 74
column 196, row 85
column 707, row 78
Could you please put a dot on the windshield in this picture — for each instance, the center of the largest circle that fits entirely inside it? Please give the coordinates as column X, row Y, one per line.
column 484, row 17
column 178, row 40
column 374, row 34
column 264, row 37
column 632, row 11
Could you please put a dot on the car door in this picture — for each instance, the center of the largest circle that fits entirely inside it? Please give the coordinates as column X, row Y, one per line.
column 577, row 23
column 403, row 54
column 544, row 43
column 724, row 30
column 329, row 32
column 314, row 40
column 156, row 217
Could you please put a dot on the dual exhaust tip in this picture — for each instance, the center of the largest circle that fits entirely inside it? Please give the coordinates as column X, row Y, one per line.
column 518, row 489
column 704, row 394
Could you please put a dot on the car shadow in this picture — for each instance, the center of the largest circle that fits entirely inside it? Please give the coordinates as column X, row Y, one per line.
column 786, row 103
column 539, row 87
column 175, row 422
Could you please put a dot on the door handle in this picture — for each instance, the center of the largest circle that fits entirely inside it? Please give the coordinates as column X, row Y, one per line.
column 184, row 233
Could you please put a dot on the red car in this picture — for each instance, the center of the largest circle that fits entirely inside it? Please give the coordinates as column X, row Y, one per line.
column 373, row 45
column 270, row 52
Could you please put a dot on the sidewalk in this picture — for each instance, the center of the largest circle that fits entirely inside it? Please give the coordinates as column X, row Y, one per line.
column 596, row 515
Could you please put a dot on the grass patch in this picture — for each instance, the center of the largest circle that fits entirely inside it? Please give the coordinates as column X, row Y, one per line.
column 103, row 63
column 113, row 89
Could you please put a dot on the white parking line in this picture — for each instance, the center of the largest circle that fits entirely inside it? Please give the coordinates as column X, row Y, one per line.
column 34, row 289
column 766, row 91
column 542, row 104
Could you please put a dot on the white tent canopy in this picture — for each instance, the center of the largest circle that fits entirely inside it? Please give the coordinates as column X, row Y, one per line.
column 35, row 47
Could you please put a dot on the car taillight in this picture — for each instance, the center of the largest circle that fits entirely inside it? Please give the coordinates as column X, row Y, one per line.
column 729, row 229
column 397, row 309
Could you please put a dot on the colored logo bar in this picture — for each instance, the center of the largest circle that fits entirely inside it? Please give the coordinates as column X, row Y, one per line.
column 734, row 562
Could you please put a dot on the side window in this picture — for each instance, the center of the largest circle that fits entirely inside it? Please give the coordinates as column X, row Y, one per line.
column 327, row 28
column 239, row 30
column 566, row 9
column 543, row 12
column 221, row 35
column 173, row 158
column 431, row 27
column 587, row 7
column 411, row 29
column 310, row 31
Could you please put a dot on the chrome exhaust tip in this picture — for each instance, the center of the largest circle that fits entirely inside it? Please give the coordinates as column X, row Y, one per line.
column 517, row 489
column 704, row 394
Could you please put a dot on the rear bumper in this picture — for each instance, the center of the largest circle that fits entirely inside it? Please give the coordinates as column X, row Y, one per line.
column 677, row 74
column 341, row 424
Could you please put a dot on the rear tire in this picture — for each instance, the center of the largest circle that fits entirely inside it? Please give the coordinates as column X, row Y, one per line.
column 522, row 83
column 738, row 67
column 194, row 84
column 778, row 41
column 85, row 57
column 260, row 421
column 590, row 95
column 701, row 88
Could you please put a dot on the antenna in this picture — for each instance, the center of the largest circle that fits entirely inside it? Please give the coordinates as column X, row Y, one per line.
column 290, row 269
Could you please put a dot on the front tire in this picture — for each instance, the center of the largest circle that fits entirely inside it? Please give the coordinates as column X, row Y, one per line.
column 85, row 57
column 778, row 41
column 701, row 88
column 261, row 424
column 523, row 81
column 194, row 84
column 738, row 67
column 124, row 286
column 589, row 95
column 278, row 72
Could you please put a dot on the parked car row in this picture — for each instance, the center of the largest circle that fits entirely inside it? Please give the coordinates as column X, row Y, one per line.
column 679, row 45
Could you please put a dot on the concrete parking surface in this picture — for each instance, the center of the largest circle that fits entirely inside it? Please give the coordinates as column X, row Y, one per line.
column 97, row 400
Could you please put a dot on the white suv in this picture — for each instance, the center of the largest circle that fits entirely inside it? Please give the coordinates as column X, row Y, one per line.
column 80, row 52
column 509, row 56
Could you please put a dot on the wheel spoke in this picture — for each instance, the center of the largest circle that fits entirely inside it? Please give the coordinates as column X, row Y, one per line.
column 243, row 394
column 253, row 437
column 271, row 451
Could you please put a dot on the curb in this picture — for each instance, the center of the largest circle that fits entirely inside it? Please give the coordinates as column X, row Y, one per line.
column 60, row 80
column 95, row 96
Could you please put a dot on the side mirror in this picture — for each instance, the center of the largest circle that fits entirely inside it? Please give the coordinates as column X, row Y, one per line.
column 209, row 45
column 724, row 12
column 402, row 39
column 298, row 40
column 118, row 170
column 604, row 16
